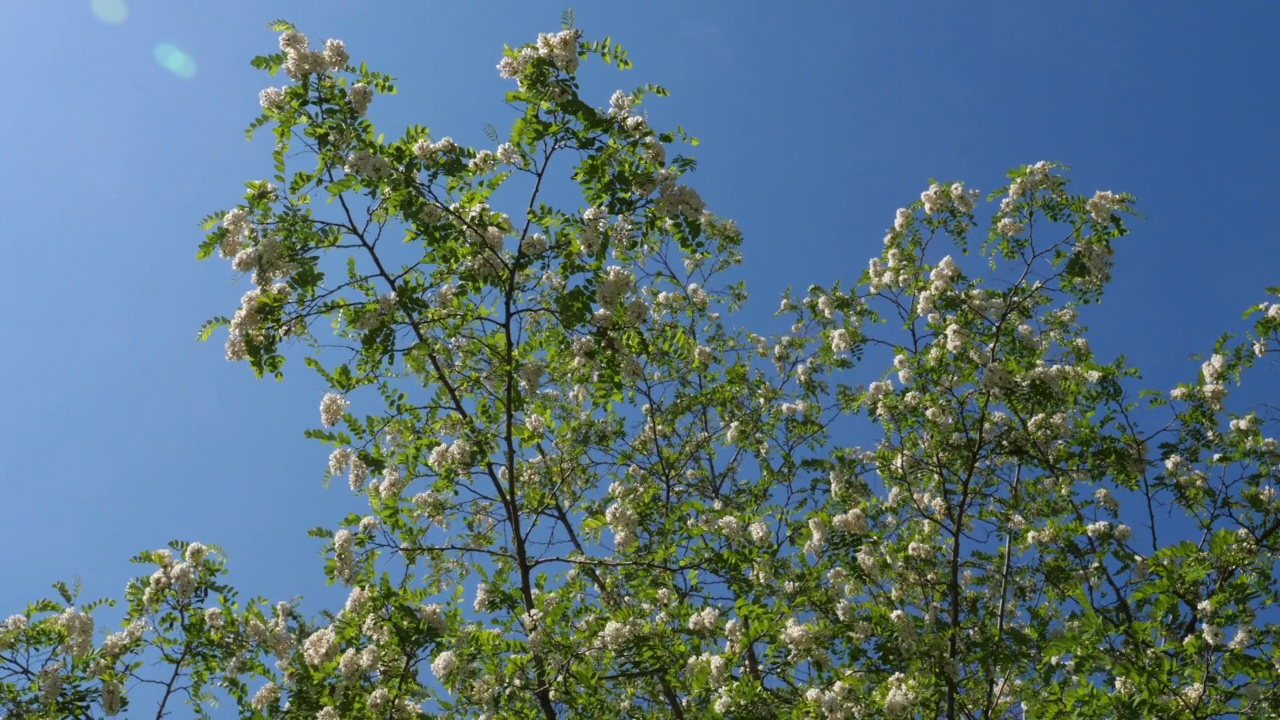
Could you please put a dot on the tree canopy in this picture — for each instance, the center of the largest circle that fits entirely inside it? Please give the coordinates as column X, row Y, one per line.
column 590, row 492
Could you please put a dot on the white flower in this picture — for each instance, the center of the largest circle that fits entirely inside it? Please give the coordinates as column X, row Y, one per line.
column 839, row 340
column 508, row 155
column 380, row 699
column 332, row 406
column 876, row 392
column 620, row 104
column 817, row 536
column 655, row 150
column 110, row 699
column 434, row 617
column 902, row 220
column 266, row 697
column 271, row 98
column 616, row 634
column 51, row 680
column 531, row 375
column 183, row 577
column 535, row 424
column 623, row 521
column 1102, row 206
column 444, row 665
column 797, row 636
column 195, row 553
column 344, row 555
column 482, row 598
column 900, row 700
column 561, row 49
column 335, row 54
column 363, row 163
column 853, row 521
column 704, row 620
column 1212, row 634
column 934, row 199
column 730, row 526
column 1106, row 499
column 360, row 96
column 964, row 201
column 1009, row 227
column 760, row 534
column 320, row 647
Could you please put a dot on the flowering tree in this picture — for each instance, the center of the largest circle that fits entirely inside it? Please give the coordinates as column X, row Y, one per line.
column 589, row 496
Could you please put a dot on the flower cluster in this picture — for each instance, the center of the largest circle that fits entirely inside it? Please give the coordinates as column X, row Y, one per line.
column 365, row 164
column 1103, row 205
column 332, row 406
column 301, row 61
column 561, row 49
column 937, row 200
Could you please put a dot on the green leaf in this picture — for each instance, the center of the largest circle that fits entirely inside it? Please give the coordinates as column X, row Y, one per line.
column 210, row 325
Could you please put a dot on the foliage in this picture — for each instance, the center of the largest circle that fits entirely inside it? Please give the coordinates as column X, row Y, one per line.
column 590, row 495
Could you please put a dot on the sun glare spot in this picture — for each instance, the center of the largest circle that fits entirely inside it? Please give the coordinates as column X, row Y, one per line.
column 110, row 11
column 175, row 61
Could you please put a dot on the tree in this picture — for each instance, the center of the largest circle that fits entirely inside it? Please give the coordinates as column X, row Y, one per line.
column 589, row 495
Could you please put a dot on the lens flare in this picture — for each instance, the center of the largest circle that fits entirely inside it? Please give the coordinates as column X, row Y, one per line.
column 110, row 11
column 175, row 61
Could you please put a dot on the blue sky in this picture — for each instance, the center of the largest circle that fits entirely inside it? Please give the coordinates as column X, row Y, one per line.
column 817, row 120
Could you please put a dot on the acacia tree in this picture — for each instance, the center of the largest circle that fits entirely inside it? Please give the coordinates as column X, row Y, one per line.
column 588, row 495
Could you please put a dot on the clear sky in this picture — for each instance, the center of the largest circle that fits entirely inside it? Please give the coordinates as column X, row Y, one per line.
column 818, row 119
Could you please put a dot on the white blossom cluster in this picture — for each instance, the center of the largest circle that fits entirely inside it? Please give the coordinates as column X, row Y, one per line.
column 271, row 98
column 347, row 460
column 78, row 629
column 854, row 522
column 705, row 620
column 841, row 701
column 1039, row 176
column 444, row 665
column 877, row 392
column 900, row 700
column 275, row 635
column 560, row 48
column 1097, row 258
column 367, row 165
column 427, row 151
column 178, row 576
column 676, row 200
column 458, row 452
column 301, row 61
column 840, row 341
column 320, row 647
column 1102, row 206
column 344, row 555
column 266, row 699
column 615, row 283
column 623, row 521
column 1214, row 389
column 595, row 222
column 938, row 199
column 941, row 278
column 360, row 95
column 332, row 406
